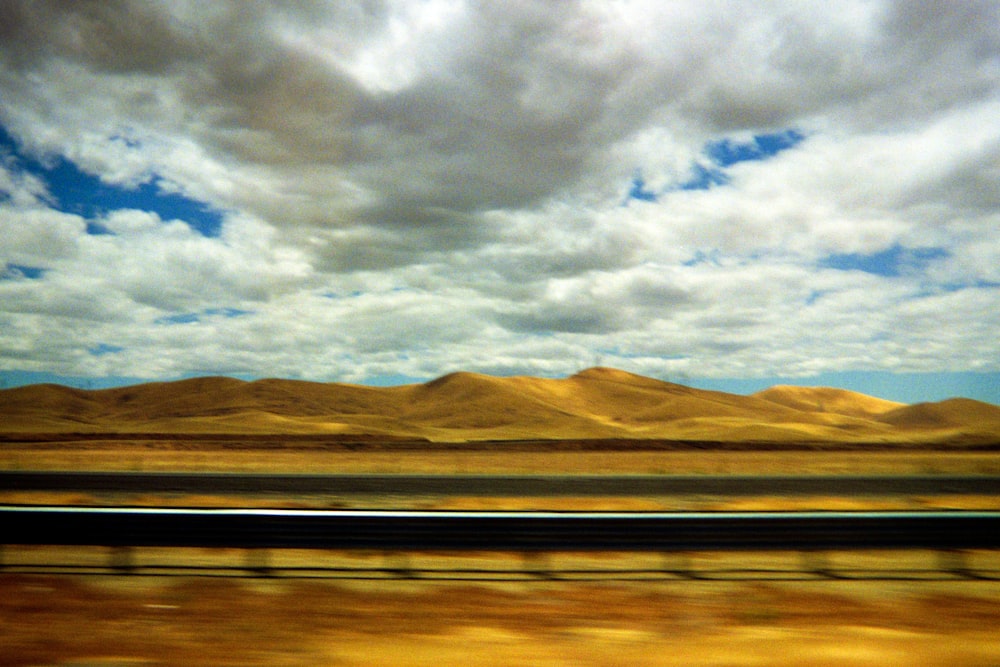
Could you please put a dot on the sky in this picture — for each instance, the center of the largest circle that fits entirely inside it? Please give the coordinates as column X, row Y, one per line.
column 724, row 194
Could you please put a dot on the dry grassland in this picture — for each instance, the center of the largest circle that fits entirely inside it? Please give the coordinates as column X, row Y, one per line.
column 702, row 503
column 139, row 621
column 132, row 457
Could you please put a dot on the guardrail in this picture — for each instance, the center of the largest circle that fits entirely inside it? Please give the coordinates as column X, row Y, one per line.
column 496, row 531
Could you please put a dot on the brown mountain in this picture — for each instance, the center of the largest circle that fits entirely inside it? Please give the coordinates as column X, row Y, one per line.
column 595, row 403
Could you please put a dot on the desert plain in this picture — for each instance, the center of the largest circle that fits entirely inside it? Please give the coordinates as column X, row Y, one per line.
column 599, row 421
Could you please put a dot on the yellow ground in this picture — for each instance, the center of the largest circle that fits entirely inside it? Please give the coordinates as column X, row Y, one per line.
column 704, row 503
column 132, row 457
column 140, row 621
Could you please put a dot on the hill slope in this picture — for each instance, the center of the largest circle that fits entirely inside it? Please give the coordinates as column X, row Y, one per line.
column 828, row 399
column 953, row 412
column 595, row 403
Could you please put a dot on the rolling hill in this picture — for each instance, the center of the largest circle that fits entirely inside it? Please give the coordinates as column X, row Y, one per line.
column 598, row 403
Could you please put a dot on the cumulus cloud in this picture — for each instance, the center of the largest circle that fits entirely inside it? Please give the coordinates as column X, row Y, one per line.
column 409, row 188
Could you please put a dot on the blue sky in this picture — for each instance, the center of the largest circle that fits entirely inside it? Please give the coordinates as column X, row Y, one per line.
column 720, row 154
column 74, row 191
column 809, row 195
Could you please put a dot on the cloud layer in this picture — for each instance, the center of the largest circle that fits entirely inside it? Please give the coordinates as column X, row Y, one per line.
column 684, row 189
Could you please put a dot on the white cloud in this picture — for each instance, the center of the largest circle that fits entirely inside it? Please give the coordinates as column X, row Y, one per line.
column 412, row 188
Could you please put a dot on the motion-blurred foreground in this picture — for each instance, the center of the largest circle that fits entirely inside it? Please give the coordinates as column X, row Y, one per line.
column 139, row 621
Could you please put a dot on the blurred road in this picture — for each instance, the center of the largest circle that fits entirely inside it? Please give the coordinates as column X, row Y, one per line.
column 508, row 485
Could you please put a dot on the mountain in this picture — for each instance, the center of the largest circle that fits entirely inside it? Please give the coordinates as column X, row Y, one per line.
column 828, row 399
column 953, row 412
column 595, row 403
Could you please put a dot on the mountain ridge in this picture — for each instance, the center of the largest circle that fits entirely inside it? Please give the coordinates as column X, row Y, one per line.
column 596, row 403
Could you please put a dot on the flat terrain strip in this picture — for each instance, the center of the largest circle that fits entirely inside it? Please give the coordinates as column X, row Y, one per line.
column 502, row 485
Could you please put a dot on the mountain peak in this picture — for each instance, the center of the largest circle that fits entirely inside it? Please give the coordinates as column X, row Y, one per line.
column 608, row 374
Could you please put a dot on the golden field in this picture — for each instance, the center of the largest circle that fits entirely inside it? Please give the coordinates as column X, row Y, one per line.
column 132, row 621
